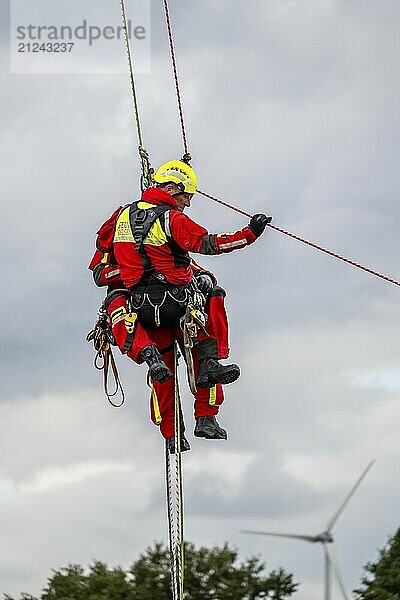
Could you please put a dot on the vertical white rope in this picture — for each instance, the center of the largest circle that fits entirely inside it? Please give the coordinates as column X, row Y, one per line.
column 178, row 481
column 171, row 524
column 174, row 486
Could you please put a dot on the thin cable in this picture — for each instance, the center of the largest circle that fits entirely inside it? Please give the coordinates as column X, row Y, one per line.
column 308, row 243
column 242, row 212
column 338, row 256
column 175, row 70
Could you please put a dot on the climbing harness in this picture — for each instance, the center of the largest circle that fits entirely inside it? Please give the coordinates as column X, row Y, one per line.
column 160, row 303
column 174, row 488
column 141, row 221
column 102, row 337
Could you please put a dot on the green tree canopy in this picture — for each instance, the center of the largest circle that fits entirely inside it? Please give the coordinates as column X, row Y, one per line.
column 210, row 573
column 381, row 579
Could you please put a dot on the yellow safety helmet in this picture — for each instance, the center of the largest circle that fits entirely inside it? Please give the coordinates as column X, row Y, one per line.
column 180, row 173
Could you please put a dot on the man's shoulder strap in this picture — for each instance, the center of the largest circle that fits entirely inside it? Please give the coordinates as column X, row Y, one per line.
column 143, row 219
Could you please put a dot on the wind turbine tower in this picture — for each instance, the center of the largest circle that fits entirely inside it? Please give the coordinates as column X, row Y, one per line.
column 326, row 539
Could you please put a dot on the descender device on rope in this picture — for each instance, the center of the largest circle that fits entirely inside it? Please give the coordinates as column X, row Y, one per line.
column 193, row 321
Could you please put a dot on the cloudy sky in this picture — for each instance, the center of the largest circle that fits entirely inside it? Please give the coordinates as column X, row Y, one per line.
column 291, row 109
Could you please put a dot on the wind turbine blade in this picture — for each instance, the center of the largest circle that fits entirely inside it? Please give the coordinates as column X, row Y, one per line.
column 306, row 538
column 335, row 568
column 341, row 508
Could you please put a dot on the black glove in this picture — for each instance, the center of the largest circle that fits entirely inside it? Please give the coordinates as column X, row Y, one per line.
column 258, row 223
column 205, row 283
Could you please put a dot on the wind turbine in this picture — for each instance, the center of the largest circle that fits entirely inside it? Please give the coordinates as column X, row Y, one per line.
column 327, row 540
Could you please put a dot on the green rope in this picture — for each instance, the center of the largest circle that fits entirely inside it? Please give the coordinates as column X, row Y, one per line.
column 145, row 180
column 131, row 71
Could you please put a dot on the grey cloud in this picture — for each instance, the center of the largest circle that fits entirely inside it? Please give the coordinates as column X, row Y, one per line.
column 303, row 100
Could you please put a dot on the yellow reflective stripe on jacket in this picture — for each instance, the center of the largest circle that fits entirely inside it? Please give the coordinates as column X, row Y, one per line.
column 118, row 315
column 156, row 407
column 123, row 231
column 213, row 396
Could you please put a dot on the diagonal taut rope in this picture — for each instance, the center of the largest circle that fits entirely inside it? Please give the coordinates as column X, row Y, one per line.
column 295, row 237
column 307, row 242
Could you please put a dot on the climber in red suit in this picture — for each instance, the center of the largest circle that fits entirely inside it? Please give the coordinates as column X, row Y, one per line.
column 151, row 240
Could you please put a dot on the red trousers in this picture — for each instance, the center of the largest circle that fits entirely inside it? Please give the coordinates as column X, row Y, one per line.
column 207, row 401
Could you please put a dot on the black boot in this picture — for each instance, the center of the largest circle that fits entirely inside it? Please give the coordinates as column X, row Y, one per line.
column 157, row 367
column 184, row 444
column 210, row 370
column 207, row 427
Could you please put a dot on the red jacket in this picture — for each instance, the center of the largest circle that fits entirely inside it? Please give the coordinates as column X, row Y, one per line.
column 168, row 244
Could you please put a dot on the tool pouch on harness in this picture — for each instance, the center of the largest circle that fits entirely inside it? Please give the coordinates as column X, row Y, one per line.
column 159, row 305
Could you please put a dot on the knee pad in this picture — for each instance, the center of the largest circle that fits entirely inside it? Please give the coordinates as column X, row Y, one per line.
column 218, row 291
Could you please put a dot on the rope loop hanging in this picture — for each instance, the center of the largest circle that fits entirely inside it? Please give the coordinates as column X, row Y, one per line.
column 102, row 337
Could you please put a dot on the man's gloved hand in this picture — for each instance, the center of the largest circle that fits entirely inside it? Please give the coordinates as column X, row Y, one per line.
column 258, row 223
column 205, row 283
